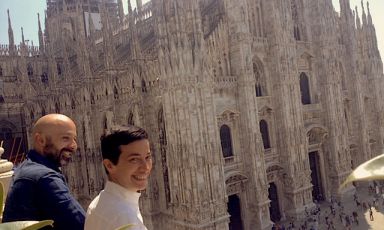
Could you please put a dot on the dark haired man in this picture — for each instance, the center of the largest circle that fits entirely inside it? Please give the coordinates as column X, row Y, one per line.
column 128, row 162
column 38, row 189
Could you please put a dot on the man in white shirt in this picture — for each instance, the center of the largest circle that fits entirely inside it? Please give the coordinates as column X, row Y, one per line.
column 128, row 162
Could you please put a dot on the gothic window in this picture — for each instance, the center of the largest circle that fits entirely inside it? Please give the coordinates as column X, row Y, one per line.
column 5, row 133
column 73, row 104
column 105, row 124
column 226, row 141
column 92, row 99
column 130, row 119
column 133, row 84
column 1, row 71
column 260, row 85
column 304, row 89
column 265, row 134
column 258, row 90
column 30, row 69
column 32, row 115
column 59, row 69
column 296, row 33
column 44, row 78
column 143, row 86
column 115, row 93
column 57, row 108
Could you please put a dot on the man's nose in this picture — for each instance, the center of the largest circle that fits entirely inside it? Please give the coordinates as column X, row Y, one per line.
column 73, row 145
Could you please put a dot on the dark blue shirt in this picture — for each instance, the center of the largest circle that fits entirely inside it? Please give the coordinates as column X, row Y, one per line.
column 38, row 191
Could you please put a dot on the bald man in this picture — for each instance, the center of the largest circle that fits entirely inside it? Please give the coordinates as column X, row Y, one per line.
column 38, row 189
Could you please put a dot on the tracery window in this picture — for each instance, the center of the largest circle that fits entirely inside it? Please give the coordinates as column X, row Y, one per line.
column 263, row 125
column 260, row 83
column 226, row 141
column 44, row 78
column 5, row 133
column 304, row 89
column 115, row 93
column 30, row 69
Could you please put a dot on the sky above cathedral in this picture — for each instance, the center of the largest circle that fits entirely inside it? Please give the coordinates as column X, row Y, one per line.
column 24, row 14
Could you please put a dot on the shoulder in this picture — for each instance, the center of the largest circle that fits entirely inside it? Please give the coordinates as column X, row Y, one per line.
column 31, row 170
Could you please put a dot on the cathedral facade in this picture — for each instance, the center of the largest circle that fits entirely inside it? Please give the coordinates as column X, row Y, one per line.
column 255, row 108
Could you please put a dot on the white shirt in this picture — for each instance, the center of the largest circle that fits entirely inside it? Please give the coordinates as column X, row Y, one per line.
column 114, row 207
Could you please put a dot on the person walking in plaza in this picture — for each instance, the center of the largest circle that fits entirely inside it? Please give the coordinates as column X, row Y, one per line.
column 370, row 214
column 127, row 160
column 38, row 189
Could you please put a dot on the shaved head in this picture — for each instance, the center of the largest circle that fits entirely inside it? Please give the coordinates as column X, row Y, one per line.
column 47, row 122
column 54, row 136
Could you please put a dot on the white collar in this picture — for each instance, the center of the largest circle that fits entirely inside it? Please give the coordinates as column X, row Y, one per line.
column 116, row 189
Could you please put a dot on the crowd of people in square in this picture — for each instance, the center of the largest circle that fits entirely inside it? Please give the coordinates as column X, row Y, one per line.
column 333, row 214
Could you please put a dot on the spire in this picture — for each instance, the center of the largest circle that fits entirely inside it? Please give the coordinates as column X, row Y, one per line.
column 364, row 17
column 64, row 6
column 121, row 10
column 10, row 33
column 129, row 7
column 369, row 15
column 139, row 5
column 358, row 24
column 41, row 40
column 22, row 36
column 344, row 5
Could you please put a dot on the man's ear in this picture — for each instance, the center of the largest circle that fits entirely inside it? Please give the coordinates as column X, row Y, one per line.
column 39, row 139
column 108, row 165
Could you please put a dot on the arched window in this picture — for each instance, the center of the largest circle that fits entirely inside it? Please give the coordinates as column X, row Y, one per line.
column 30, row 69
column 304, row 89
column 5, row 133
column 1, row 71
column 265, row 134
column 73, row 104
column 130, row 119
column 44, row 78
column 143, row 86
column 92, row 99
column 59, row 69
column 226, row 141
column 57, row 108
column 115, row 93
column 260, row 81
column 32, row 115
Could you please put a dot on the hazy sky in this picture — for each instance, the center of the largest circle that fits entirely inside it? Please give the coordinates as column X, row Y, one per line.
column 24, row 14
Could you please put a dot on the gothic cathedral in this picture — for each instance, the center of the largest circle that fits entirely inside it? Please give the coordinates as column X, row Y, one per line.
column 255, row 108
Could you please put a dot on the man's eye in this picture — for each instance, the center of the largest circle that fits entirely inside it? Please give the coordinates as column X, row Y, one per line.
column 134, row 160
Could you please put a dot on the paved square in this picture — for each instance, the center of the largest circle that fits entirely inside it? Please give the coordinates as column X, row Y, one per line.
column 347, row 206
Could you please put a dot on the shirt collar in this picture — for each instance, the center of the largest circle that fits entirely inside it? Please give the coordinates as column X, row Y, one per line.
column 132, row 197
column 38, row 158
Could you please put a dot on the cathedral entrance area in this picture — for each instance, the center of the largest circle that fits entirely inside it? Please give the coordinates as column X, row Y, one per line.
column 317, row 190
column 234, row 210
column 274, row 208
